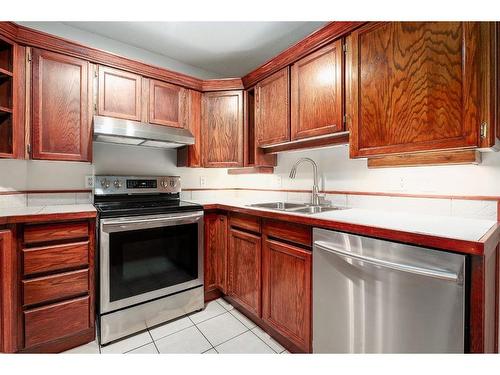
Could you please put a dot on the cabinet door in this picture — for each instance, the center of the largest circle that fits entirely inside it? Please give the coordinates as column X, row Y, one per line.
column 61, row 107
column 222, row 129
column 190, row 156
column 415, row 87
column 167, row 104
column 286, row 291
column 317, row 93
column 8, row 303
column 272, row 117
column 119, row 94
column 244, row 258
column 215, row 252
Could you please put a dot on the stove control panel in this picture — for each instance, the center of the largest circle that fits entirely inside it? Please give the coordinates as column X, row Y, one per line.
column 107, row 185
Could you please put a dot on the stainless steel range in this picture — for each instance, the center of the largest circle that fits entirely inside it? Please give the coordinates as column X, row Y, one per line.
column 150, row 254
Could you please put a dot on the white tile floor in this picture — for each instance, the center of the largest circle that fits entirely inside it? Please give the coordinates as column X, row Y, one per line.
column 219, row 328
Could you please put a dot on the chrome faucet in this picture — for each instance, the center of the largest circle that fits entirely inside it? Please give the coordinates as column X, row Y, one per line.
column 316, row 198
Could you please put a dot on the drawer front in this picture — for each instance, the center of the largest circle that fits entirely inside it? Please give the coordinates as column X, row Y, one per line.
column 55, row 321
column 247, row 222
column 54, row 258
column 291, row 232
column 55, row 287
column 37, row 233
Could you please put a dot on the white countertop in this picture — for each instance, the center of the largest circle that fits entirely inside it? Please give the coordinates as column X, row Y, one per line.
column 46, row 210
column 434, row 225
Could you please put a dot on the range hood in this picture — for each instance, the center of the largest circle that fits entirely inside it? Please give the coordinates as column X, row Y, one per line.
column 126, row 132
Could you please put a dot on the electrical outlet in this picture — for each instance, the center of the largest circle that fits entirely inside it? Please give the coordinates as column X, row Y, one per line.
column 278, row 181
column 89, row 182
column 203, row 181
column 402, row 183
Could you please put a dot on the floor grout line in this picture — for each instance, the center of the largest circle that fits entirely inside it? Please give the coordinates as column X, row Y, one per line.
column 206, row 338
column 264, row 342
column 154, row 342
column 232, row 338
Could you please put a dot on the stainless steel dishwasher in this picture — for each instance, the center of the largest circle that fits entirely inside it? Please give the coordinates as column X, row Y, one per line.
column 375, row 296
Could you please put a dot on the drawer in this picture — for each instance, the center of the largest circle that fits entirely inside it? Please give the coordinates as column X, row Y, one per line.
column 54, row 258
column 55, row 287
column 37, row 233
column 247, row 222
column 290, row 232
column 55, row 321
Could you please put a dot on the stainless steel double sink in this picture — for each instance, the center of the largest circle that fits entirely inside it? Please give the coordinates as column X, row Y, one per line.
column 299, row 208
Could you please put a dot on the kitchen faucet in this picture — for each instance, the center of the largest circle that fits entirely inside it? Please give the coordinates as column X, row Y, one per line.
column 315, row 197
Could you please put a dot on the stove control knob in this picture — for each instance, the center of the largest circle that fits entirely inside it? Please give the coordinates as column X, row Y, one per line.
column 105, row 183
column 163, row 184
column 172, row 183
column 117, row 184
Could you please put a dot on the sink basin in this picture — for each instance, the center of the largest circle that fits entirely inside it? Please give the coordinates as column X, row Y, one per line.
column 316, row 209
column 280, row 206
column 300, row 208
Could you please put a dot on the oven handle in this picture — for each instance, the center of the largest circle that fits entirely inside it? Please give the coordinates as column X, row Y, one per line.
column 121, row 225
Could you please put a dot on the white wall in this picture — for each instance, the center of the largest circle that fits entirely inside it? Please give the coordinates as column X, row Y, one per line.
column 97, row 41
column 338, row 172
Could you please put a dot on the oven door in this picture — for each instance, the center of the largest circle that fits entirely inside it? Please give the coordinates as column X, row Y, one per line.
column 147, row 257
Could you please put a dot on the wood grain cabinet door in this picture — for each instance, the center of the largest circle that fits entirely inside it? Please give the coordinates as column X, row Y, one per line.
column 244, row 257
column 167, row 104
column 222, row 129
column 120, row 94
column 215, row 252
column 272, row 115
column 317, row 93
column 414, row 87
column 286, row 291
column 61, row 107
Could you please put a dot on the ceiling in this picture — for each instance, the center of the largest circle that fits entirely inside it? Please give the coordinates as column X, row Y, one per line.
column 228, row 49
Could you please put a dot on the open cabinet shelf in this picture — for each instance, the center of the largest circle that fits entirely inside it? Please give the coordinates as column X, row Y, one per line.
column 6, row 99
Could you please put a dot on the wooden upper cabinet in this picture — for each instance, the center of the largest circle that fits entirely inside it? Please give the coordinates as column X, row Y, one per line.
column 415, row 87
column 316, row 91
column 120, row 94
column 222, row 129
column 272, row 109
column 244, row 268
column 167, row 104
column 286, row 291
column 61, row 107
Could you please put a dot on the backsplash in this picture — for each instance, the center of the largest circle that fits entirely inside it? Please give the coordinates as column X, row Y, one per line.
column 338, row 174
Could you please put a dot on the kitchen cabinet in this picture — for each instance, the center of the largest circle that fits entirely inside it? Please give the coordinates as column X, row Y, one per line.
column 190, row 156
column 222, row 129
column 215, row 252
column 12, row 100
column 286, row 290
column 415, row 87
column 272, row 109
column 244, row 269
column 120, row 94
column 167, row 104
column 61, row 107
column 7, row 282
column 316, row 93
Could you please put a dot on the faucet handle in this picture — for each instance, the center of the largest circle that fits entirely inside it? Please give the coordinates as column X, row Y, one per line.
column 323, row 201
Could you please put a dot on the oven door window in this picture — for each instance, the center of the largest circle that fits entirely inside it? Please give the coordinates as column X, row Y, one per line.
column 150, row 259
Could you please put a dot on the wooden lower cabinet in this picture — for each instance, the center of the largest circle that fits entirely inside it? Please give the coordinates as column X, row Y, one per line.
column 47, row 281
column 215, row 273
column 286, row 291
column 244, row 269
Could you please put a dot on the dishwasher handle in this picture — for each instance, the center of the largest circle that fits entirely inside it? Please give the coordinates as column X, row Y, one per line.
column 437, row 274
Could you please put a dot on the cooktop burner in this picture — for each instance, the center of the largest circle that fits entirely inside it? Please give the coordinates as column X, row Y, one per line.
column 120, row 196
